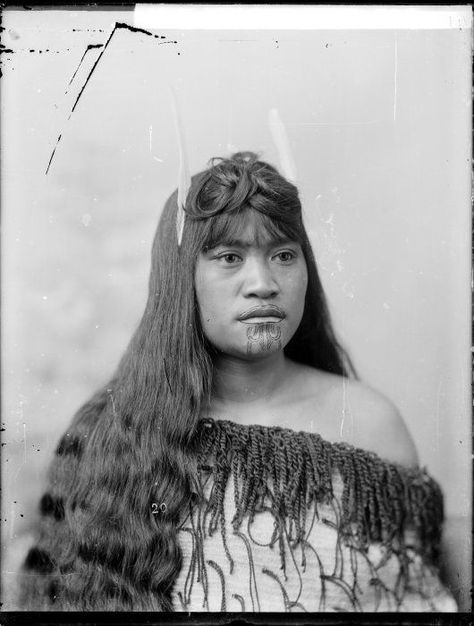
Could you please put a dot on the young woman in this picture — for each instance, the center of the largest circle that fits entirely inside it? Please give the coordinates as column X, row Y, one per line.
column 234, row 462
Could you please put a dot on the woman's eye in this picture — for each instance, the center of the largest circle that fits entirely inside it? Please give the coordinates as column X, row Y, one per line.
column 285, row 256
column 229, row 259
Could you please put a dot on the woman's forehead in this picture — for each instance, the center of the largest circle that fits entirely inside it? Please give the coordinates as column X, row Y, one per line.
column 249, row 229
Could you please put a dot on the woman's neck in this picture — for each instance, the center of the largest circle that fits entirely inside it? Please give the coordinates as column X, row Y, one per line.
column 237, row 382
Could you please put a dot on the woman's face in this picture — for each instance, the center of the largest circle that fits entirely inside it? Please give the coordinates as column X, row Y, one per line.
column 251, row 295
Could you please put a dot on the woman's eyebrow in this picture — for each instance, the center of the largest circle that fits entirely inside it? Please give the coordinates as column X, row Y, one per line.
column 246, row 243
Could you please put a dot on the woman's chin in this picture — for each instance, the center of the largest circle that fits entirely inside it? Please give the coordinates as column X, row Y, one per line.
column 255, row 353
column 249, row 354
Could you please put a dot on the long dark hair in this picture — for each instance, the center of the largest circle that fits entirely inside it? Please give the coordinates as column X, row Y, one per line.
column 124, row 471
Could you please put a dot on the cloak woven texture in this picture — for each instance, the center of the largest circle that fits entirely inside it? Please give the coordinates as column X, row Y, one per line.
column 285, row 521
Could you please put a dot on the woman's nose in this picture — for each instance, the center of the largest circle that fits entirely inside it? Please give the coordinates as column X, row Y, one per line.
column 259, row 280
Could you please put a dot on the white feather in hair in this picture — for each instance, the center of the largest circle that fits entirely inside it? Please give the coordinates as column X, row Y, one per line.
column 280, row 139
column 184, row 179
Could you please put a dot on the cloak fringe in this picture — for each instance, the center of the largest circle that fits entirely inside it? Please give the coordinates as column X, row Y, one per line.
column 380, row 502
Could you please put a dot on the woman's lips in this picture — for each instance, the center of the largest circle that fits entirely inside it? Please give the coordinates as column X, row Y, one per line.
column 262, row 320
column 262, row 314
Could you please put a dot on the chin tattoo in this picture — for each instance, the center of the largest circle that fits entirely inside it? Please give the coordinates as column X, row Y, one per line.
column 263, row 337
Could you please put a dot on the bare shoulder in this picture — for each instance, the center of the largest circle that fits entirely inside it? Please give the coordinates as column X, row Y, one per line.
column 378, row 425
column 351, row 411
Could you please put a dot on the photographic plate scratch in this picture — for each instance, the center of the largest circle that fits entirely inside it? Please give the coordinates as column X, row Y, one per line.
column 395, row 79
